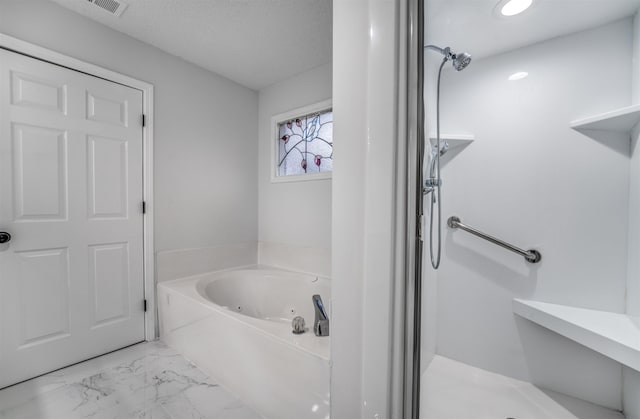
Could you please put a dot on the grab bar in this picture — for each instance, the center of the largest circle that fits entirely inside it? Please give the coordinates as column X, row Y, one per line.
column 531, row 255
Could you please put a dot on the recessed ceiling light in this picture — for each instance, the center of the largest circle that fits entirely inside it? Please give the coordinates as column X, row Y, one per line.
column 518, row 76
column 513, row 7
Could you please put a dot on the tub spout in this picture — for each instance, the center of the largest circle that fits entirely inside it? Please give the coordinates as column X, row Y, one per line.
column 321, row 322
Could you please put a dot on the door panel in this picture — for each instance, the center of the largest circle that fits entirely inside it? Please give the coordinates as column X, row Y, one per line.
column 109, row 283
column 30, row 91
column 40, row 173
column 108, row 177
column 112, row 110
column 44, row 296
column 71, row 278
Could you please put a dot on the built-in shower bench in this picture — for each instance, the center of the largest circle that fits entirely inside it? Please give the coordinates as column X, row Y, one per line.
column 614, row 335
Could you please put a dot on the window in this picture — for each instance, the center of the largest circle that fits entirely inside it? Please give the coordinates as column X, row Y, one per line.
column 303, row 144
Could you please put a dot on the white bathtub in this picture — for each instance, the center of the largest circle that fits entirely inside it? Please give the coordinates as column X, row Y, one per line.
column 236, row 326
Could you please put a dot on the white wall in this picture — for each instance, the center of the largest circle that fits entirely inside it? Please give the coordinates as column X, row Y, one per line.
column 181, row 263
column 631, row 381
column 205, row 126
column 636, row 58
column 633, row 285
column 292, row 213
column 633, row 276
column 531, row 180
column 312, row 260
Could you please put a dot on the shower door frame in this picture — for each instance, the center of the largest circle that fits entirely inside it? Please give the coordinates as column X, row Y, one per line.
column 44, row 54
column 413, row 28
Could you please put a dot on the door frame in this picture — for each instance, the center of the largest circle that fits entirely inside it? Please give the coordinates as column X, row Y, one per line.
column 44, row 54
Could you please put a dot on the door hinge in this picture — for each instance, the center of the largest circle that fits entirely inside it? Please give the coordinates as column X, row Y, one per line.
column 144, row 207
column 144, row 120
column 144, row 305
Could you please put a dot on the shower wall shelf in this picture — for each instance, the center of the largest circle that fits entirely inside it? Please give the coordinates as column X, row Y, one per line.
column 454, row 140
column 621, row 120
column 614, row 335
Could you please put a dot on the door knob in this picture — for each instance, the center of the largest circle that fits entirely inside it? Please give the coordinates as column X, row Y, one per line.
column 4, row 237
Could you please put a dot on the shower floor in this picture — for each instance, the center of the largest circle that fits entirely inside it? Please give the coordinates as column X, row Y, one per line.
column 453, row 390
column 148, row 380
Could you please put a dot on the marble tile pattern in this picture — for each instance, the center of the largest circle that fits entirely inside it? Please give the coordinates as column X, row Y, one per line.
column 144, row 381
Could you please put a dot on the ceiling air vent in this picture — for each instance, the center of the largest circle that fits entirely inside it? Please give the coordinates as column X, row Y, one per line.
column 114, row 7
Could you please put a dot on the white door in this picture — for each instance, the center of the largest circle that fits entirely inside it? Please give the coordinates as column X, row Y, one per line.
column 71, row 277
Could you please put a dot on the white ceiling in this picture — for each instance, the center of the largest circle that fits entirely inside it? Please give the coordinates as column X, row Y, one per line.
column 472, row 25
column 253, row 42
column 260, row 42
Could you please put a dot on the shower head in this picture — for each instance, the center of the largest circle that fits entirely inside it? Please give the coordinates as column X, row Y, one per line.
column 459, row 61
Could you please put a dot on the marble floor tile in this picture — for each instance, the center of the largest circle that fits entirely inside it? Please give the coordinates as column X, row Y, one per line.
column 147, row 380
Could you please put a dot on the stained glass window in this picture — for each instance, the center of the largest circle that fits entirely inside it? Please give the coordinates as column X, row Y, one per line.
column 305, row 144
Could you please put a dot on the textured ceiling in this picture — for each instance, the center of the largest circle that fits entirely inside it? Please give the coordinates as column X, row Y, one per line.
column 253, row 42
column 472, row 25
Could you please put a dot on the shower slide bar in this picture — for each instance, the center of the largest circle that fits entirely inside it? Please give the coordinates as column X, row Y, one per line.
column 531, row 255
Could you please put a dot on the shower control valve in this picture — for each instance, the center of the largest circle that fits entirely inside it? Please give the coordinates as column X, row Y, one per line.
column 430, row 184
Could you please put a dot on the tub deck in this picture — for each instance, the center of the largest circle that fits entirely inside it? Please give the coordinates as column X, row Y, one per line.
column 279, row 374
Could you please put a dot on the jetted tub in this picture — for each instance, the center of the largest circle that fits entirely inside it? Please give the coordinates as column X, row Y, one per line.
column 236, row 326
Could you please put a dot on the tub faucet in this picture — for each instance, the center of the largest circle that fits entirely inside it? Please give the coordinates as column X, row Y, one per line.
column 321, row 322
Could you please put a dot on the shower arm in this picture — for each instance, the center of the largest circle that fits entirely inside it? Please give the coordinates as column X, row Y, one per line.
column 460, row 61
column 444, row 51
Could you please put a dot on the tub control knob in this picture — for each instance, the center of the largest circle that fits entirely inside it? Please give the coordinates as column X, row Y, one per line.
column 298, row 325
